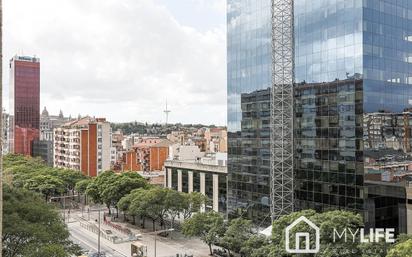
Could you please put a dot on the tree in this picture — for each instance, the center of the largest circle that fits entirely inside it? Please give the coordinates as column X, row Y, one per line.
column 237, row 233
column 403, row 249
column 81, row 187
column 209, row 227
column 109, row 187
column 22, row 171
column 92, row 191
column 69, row 177
column 33, row 228
column 122, row 185
column 45, row 184
column 255, row 246
column 192, row 203
column 154, row 203
column 96, row 190
column 138, row 205
column 174, row 203
column 124, row 205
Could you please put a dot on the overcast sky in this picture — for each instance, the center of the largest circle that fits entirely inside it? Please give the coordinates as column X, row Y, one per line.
column 122, row 59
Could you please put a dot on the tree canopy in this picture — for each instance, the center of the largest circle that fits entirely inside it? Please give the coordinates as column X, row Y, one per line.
column 208, row 226
column 32, row 227
column 33, row 174
column 109, row 187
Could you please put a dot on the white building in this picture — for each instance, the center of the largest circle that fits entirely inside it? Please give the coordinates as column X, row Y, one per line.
column 208, row 175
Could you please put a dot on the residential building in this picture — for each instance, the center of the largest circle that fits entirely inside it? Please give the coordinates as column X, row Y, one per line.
column 331, row 79
column 207, row 175
column 130, row 162
column 83, row 144
column 148, row 155
column 117, row 138
column 216, row 140
column 24, row 103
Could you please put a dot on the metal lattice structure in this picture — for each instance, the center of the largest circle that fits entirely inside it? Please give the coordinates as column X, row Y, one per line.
column 281, row 137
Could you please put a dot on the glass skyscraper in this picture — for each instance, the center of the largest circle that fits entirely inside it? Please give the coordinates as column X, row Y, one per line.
column 352, row 105
column 249, row 81
column 24, row 103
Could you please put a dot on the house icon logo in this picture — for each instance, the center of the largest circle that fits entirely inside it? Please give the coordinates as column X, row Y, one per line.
column 306, row 236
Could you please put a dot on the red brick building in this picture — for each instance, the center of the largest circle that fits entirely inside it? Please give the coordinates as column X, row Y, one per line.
column 149, row 154
column 130, row 162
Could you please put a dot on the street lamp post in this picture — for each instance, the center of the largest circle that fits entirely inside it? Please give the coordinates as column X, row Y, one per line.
column 98, row 238
column 98, row 234
column 155, row 238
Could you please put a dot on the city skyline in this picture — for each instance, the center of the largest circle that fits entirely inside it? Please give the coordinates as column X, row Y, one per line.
column 118, row 75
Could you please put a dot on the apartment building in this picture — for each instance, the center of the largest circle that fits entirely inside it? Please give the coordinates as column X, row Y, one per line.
column 216, row 140
column 148, row 154
column 84, row 145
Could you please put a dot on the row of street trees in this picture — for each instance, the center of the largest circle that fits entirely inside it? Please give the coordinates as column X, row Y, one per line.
column 238, row 236
column 159, row 204
column 130, row 193
column 34, row 175
column 108, row 188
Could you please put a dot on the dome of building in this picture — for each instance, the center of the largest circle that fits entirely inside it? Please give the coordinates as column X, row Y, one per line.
column 45, row 112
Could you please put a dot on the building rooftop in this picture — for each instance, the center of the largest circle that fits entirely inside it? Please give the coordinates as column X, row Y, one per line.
column 191, row 165
column 25, row 58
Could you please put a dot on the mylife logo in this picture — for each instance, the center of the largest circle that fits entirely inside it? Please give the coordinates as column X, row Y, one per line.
column 375, row 235
column 301, row 240
column 305, row 235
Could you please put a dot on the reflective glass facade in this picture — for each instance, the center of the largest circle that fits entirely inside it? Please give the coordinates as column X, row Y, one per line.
column 249, row 80
column 24, row 103
column 328, row 104
column 353, row 106
column 353, row 96
column 387, row 102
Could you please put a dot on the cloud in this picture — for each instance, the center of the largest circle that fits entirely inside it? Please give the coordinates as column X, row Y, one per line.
column 120, row 59
column 217, row 5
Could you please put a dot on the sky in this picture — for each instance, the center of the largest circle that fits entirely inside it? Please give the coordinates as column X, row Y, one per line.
column 123, row 59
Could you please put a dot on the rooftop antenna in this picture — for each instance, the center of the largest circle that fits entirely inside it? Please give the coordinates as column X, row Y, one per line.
column 167, row 111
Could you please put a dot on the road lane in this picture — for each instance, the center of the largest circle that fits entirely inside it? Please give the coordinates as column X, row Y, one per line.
column 88, row 241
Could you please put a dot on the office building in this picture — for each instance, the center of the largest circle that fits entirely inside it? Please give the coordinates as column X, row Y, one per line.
column 44, row 150
column 208, row 175
column 249, row 81
column 83, row 144
column 342, row 69
column 24, row 103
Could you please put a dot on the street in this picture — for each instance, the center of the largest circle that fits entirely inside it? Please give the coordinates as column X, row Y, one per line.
column 166, row 247
column 88, row 241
